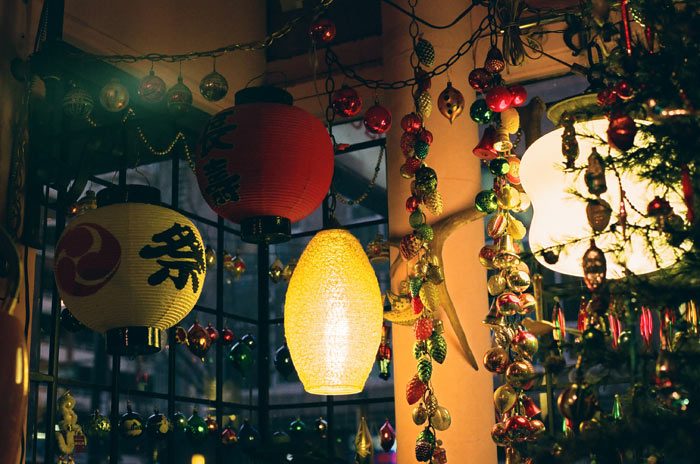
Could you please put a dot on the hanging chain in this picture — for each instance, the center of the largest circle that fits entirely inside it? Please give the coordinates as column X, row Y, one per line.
column 370, row 186
column 246, row 46
column 400, row 84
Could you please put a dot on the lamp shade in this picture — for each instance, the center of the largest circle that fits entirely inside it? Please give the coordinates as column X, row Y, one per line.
column 130, row 270
column 333, row 315
column 264, row 164
column 559, row 217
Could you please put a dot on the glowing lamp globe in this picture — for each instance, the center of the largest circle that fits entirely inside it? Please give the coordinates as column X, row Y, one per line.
column 130, row 270
column 560, row 218
column 264, row 164
column 333, row 315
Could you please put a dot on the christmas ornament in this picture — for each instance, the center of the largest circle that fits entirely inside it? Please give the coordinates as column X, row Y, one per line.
column 249, row 340
column 519, row 374
column 496, row 284
column 114, row 96
column 213, row 86
column 527, row 304
column 77, row 102
column 197, row 429
column 283, row 361
column 409, row 246
column 504, row 398
column 364, row 448
column 621, row 132
column 518, row 280
column 425, row 52
column 451, row 102
column 422, row 79
column 237, row 267
column 508, row 304
column 97, row 427
column 279, row 140
column 411, row 123
column 228, row 436
column 384, row 353
column 594, row 267
column 131, row 425
column 198, row 340
column 415, row 390
column 322, row 30
column 178, row 98
column 513, row 177
column 248, row 437
column 577, row 402
column 242, row 357
column 426, row 435
column 179, row 423
column 426, row 179
column 387, row 436
column 518, row 428
column 480, row 112
column 486, row 201
column 420, row 414
column 346, row 102
column 441, row 420
column 151, row 88
column 424, row 451
column 210, row 256
column 321, row 428
column 378, row 249
column 212, row 425
column 377, row 119
column 499, row 167
column 486, row 255
column 157, row 425
column 423, row 328
column 494, row 63
column 429, row 292
column 598, row 212
column 439, row 454
column 519, row 95
column 227, row 336
column 660, row 209
column 485, row 149
column 480, row 79
column 496, row 360
column 425, row 369
column 297, row 429
column 498, row 99
column 275, row 271
column 525, row 344
column 510, row 122
column 595, row 173
column 420, row 150
column 69, row 322
column 433, row 202
column 424, row 105
column 498, row 434
column 529, row 407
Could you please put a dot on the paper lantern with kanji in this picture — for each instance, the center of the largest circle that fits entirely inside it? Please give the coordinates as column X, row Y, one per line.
column 264, row 164
column 130, row 269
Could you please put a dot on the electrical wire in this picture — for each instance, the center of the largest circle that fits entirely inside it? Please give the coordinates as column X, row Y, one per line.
column 426, row 23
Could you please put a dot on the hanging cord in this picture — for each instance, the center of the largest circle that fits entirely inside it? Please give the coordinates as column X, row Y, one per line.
column 507, row 13
column 412, row 15
column 369, row 187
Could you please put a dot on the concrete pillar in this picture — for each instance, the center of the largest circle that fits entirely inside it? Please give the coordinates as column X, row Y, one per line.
column 466, row 393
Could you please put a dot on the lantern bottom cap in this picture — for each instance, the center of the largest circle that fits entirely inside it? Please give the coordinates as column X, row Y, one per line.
column 132, row 341
column 333, row 389
column 266, row 229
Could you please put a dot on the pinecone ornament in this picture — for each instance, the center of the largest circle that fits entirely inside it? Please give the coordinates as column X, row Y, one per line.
column 425, row 52
column 424, row 105
column 433, row 202
column 437, row 347
column 414, row 287
column 420, row 149
column 427, row 436
column 424, row 451
column 494, row 61
column 426, row 231
column 410, row 245
column 418, row 348
column 430, row 295
column 415, row 390
column 431, row 404
column 417, row 305
column 423, row 328
column 425, row 369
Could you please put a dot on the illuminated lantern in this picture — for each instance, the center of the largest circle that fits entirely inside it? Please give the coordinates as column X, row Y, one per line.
column 333, row 315
column 130, row 269
column 559, row 217
column 264, row 164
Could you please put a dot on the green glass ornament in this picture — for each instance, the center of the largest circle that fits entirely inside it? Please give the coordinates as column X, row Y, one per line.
column 416, row 219
column 486, row 201
column 427, row 436
column 426, row 179
column 421, row 149
column 197, row 430
column 414, row 286
column 98, row 426
column 499, row 167
column 437, row 347
column 480, row 112
column 179, row 422
column 425, row 369
column 617, row 408
column 179, row 98
column 426, row 232
column 242, row 357
column 297, row 429
column 418, row 348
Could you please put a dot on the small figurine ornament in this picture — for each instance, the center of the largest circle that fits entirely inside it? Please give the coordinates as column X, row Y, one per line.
column 69, row 435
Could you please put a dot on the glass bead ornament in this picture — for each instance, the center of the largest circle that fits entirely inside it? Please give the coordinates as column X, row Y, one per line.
column 179, row 98
column 77, row 102
column 114, row 97
column 520, row 373
column 242, row 357
column 480, row 112
column 283, row 361
column 346, row 102
column 322, row 30
column 377, row 119
column 485, row 148
column 451, row 102
column 212, row 425
column 151, row 88
column 504, row 398
column 577, row 402
column 197, row 429
column 213, row 86
column 213, row 333
column 198, row 340
column 499, row 167
column 496, row 360
column 411, row 123
column 179, row 422
column 288, row 269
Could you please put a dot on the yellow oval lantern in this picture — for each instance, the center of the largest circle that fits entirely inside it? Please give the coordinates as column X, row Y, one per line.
column 130, row 270
column 333, row 315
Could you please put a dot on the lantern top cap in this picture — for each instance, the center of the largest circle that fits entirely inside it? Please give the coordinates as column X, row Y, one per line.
column 128, row 194
column 263, row 94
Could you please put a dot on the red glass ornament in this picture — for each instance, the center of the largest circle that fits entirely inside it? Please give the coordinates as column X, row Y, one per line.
column 264, row 159
column 519, row 95
column 377, row 119
column 411, row 123
column 607, row 97
column 688, row 197
column 228, row 436
column 415, row 389
column 180, row 335
column 408, row 141
column 529, row 407
column 626, row 27
column 387, row 436
column 322, row 30
column 658, row 207
column 582, row 316
column 498, row 99
column 412, row 165
column 213, row 333
column 423, row 328
column 518, row 428
column 346, row 102
column 480, row 79
column 646, row 326
column 412, row 203
column 212, row 425
column 417, row 305
column 426, row 136
column 508, row 304
column 198, row 340
column 615, row 329
column 485, row 149
column 624, row 90
column 227, row 336
column 423, row 80
column 410, row 244
column 621, row 132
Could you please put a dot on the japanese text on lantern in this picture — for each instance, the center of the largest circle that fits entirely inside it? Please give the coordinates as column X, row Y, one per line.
column 181, row 244
column 214, row 131
column 221, row 187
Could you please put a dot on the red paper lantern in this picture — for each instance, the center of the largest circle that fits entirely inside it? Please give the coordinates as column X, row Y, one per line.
column 264, row 164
